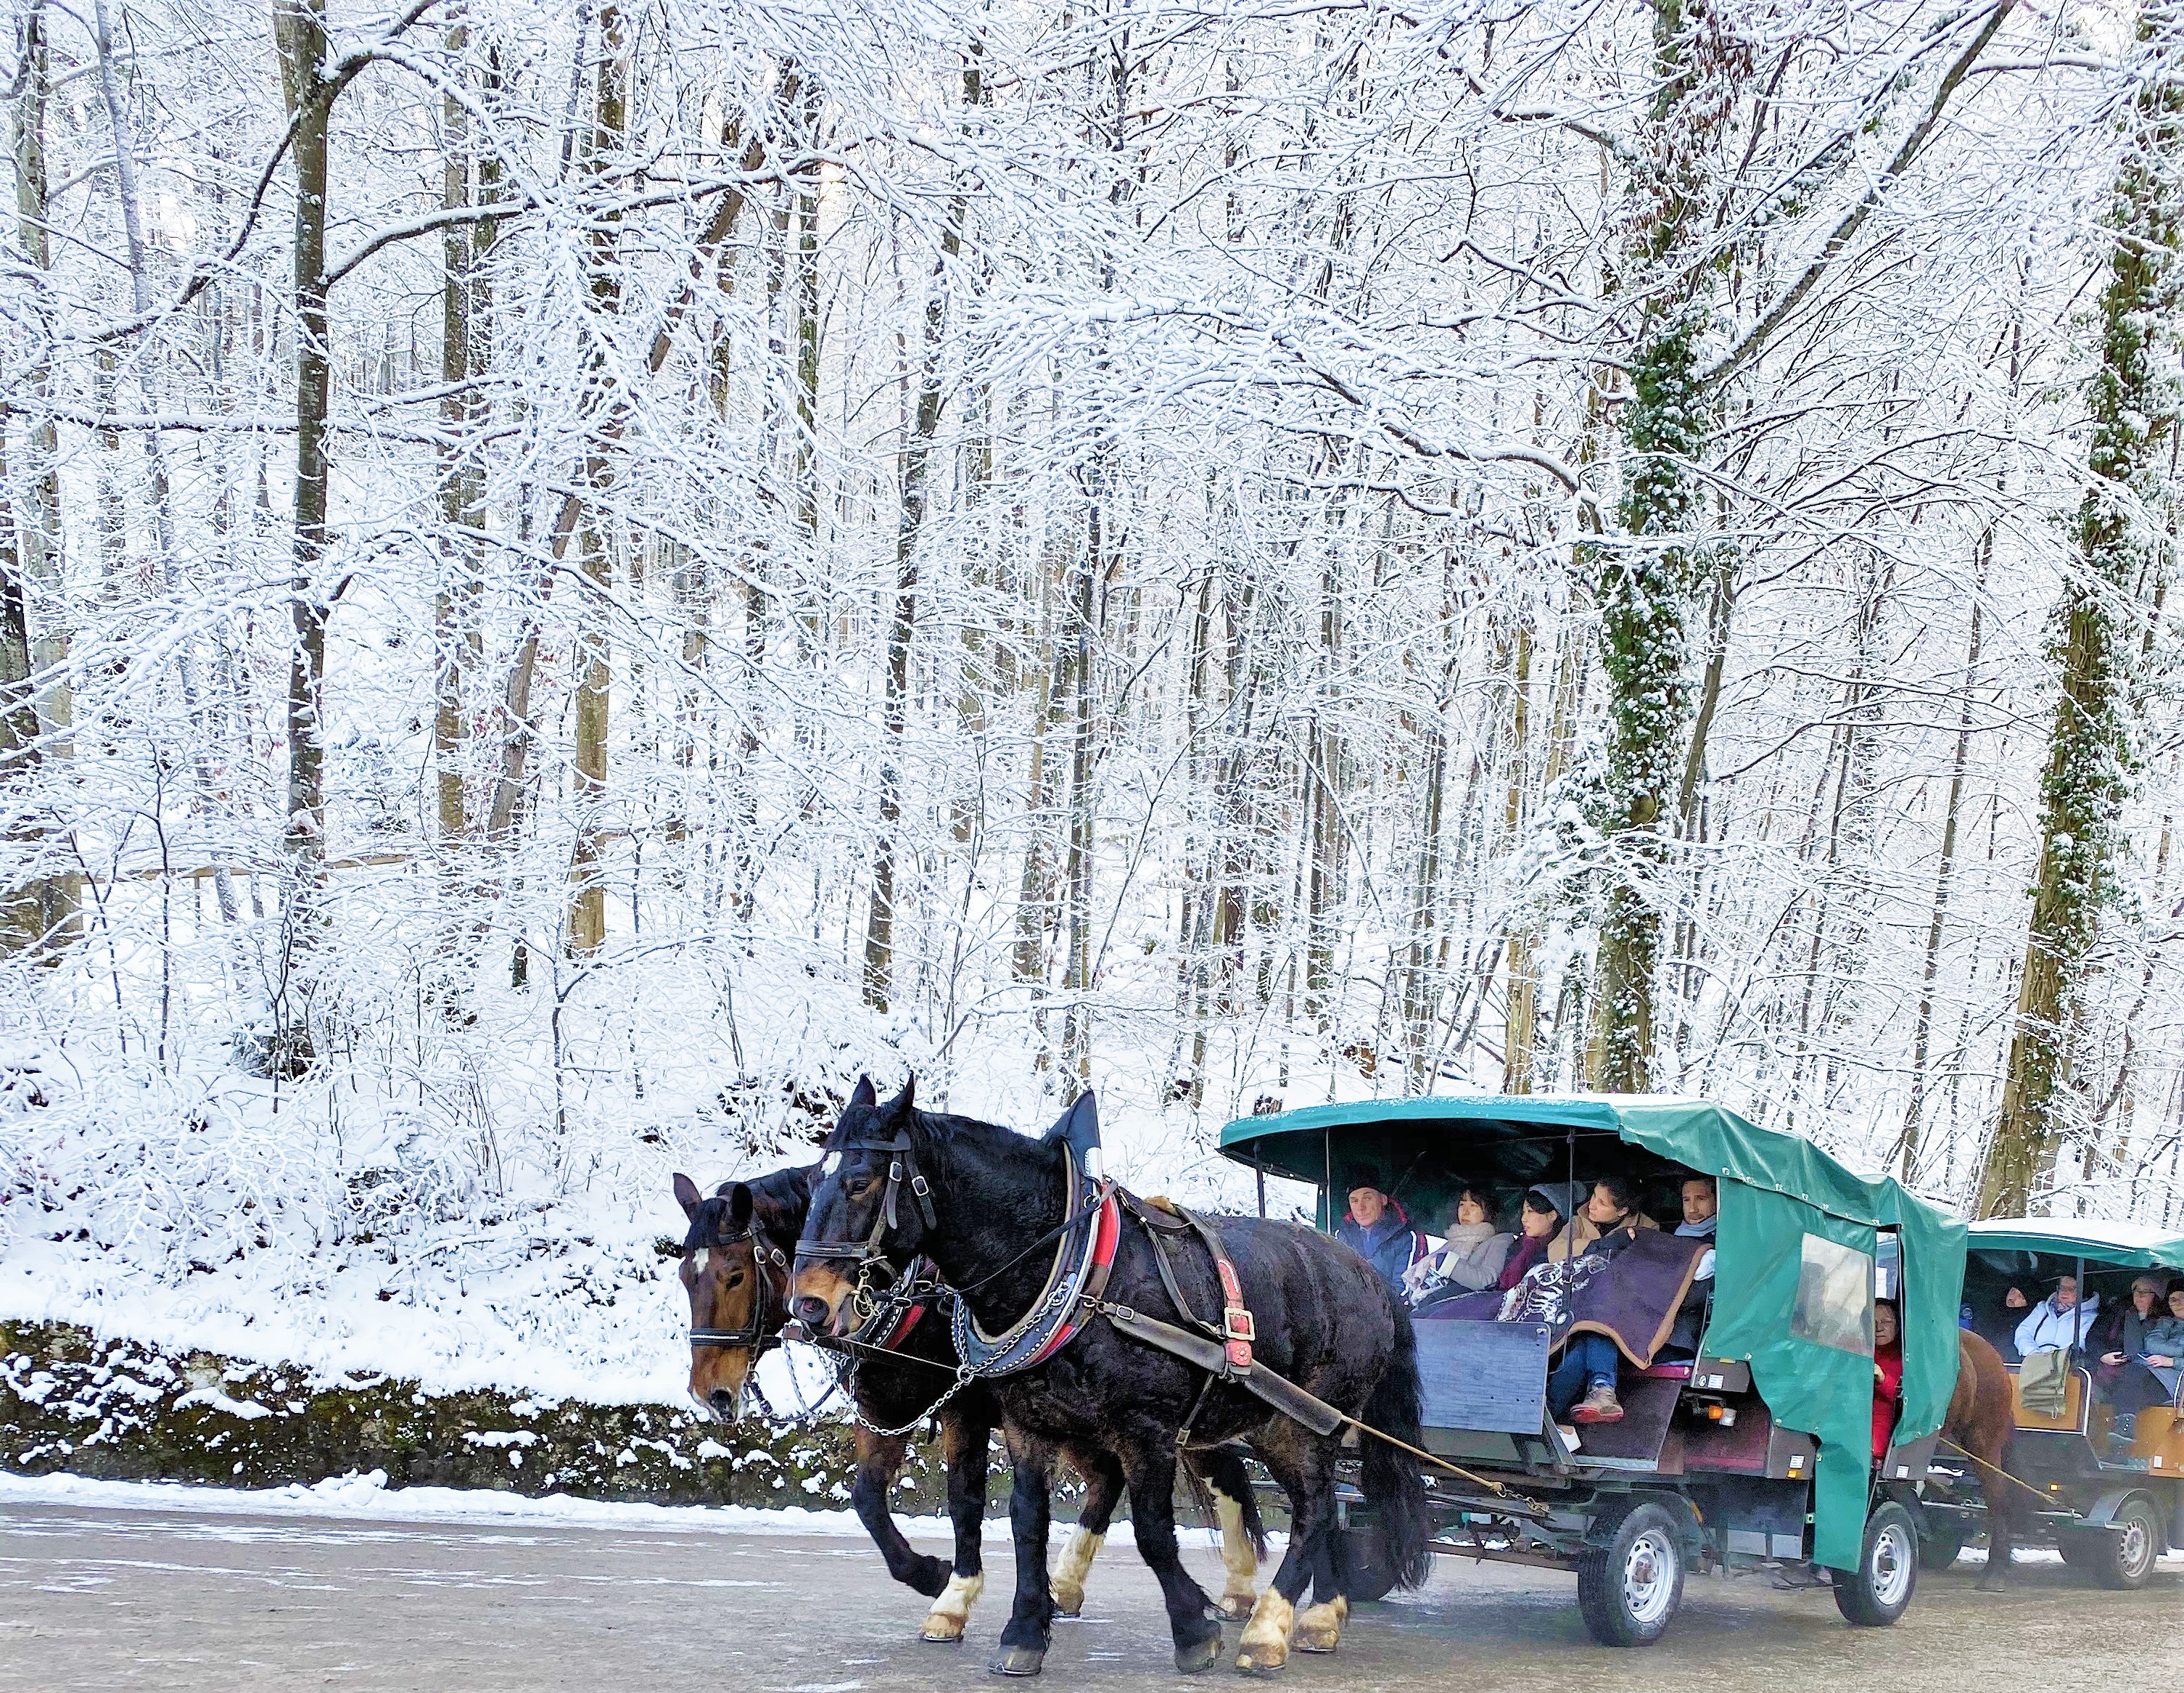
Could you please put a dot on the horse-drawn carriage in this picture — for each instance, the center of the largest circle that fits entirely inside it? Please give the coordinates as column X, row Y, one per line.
column 2111, row 1501
column 1755, row 1449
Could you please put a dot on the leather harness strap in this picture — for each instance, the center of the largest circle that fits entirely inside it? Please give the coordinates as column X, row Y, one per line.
column 1223, row 1351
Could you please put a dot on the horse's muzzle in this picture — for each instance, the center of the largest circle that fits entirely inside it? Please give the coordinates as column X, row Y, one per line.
column 813, row 1313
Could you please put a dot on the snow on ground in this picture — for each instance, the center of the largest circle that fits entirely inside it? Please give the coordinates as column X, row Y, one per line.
column 356, row 1225
column 368, row 1498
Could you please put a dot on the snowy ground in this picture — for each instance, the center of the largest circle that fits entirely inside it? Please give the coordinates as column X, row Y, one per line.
column 368, row 1498
column 343, row 1230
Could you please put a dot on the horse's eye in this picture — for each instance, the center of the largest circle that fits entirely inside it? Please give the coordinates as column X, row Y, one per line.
column 861, row 1188
column 736, row 1280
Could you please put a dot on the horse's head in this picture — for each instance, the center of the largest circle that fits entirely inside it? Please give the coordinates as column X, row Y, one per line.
column 871, row 1209
column 737, row 1281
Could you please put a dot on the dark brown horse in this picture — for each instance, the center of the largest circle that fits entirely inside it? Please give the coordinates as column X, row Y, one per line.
column 985, row 1205
column 735, row 1269
column 1983, row 1418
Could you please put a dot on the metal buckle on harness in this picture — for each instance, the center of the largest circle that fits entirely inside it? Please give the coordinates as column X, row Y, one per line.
column 1242, row 1332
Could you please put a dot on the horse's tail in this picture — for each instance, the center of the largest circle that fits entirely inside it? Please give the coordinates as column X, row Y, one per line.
column 1220, row 1470
column 1392, row 1484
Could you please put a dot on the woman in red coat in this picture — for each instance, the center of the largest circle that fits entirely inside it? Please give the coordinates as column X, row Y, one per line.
column 1887, row 1376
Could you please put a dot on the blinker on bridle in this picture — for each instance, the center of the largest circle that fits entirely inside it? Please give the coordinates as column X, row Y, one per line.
column 902, row 1171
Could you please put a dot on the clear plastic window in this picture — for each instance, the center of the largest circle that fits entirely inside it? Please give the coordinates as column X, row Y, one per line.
column 1835, row 1297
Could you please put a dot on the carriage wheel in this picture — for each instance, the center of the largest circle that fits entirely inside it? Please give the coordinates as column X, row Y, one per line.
column 1880, row 1590
column 2124, row 1556
column 1372, row 1572
column 1629, row 1590
column 1941, row 1542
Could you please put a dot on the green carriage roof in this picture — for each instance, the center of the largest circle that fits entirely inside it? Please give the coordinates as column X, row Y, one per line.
column 2122, row 1245
column 1525, row 1138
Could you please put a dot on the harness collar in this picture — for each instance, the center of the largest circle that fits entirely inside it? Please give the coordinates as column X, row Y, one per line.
column 1083, row 1257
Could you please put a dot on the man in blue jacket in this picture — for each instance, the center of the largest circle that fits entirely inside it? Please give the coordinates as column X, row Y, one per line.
column 1379, row 1232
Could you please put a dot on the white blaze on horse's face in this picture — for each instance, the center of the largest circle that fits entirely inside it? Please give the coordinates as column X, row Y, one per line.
column 714, row 1276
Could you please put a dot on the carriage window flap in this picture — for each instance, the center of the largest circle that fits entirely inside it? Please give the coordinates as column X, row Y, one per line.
column 1835, row 1297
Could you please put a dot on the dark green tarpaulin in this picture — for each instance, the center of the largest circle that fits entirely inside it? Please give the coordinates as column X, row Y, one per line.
column 1776, row 1190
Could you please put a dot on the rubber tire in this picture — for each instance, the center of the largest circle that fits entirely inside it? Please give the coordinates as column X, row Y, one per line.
column 1371, row 1572
column 1870, row 1597
column 2104, row 1553
column 1600, row 1589
column 1941, row 1545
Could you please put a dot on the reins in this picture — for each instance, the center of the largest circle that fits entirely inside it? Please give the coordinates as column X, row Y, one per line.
column 1997, row 1468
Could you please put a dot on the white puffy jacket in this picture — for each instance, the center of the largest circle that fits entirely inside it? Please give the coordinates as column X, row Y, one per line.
column 2047, row 1329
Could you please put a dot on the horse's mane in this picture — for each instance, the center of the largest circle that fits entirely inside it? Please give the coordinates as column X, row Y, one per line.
column 779, row 1199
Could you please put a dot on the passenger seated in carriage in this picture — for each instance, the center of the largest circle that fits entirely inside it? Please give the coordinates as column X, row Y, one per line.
column 2139, row 1355
column 1702, row 1203
column 1469, row 1259
column 1539, row 1220
column 1581, row 1387
column 1379, row 1231
column 2061, row 1323
column 1887, row 1375
column 1587, row 1229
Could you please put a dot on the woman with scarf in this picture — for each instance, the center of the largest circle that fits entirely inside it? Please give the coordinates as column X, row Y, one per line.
column 1469, row 1260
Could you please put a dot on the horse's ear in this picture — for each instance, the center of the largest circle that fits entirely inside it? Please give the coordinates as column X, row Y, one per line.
column 862, row 1094
column 740, row 1209
column 685, row 1193
column 900, row 1106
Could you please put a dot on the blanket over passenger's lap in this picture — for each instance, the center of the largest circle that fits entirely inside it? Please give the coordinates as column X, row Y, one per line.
column 1632, row 1298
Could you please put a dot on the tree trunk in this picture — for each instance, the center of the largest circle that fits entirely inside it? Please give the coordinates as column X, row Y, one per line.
column 2119, row 562
column 299, row 28
column 458, row 641
column 1092, row 567
column 1922, row 1029
column 39, row 705
column 1035, row 890
column 587, row 913
column 902, row 620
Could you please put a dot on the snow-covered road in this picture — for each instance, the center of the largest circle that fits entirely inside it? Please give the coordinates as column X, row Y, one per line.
column 396, row 1591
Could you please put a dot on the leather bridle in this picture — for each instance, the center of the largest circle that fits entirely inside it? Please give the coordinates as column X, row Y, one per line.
column 753, row 1333
column 875, row 1302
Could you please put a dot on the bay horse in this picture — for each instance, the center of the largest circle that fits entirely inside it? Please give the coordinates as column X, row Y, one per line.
column 985, row 1205
column 734, row 1268
column 1982, row 1419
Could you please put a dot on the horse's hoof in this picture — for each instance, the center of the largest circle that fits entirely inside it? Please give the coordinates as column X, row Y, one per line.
column 942, row 1631
column 1194, row 1660
column 1019, row 1661
column 1235, row 1607
column 1320, row 1628
column 1265, row 1647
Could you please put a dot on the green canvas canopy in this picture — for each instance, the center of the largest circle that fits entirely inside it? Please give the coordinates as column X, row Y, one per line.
column 2113, row 1246
column 1795, row 1228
